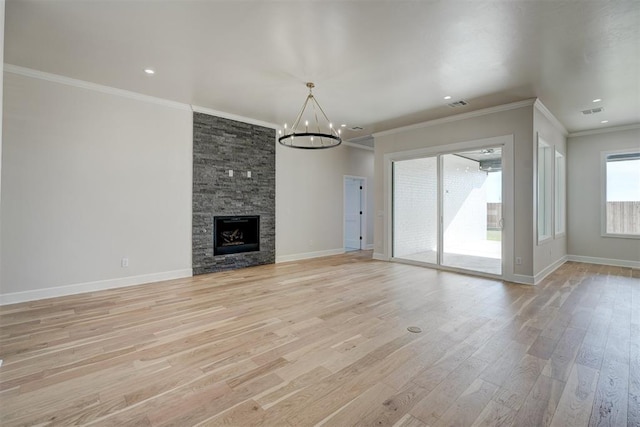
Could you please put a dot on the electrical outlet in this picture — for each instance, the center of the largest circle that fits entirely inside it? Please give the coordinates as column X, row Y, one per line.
column 518, row 260
column 230, row 172
column 124, row 263
column 248, row 174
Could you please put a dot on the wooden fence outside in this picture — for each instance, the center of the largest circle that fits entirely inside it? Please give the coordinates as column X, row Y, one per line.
column 494, row 213
column 623, row 217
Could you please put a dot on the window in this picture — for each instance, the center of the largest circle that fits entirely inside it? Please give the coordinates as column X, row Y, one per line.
column 621, row 201
column 545, row 189
column 560, row 194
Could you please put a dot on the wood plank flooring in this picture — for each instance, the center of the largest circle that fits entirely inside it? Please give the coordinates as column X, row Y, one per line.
column 324, row 342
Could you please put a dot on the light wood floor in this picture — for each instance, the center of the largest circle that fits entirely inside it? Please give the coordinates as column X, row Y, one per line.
column 325, row 342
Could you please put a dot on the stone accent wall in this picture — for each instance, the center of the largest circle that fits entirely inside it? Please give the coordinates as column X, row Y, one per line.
column 220, row 145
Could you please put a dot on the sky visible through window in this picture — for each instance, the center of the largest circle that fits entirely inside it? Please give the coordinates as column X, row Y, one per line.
column 623, row 181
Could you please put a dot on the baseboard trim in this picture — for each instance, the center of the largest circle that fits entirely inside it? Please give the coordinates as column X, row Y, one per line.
column 379, row 256
column 308, row 255
column 100, row 285
column 521, row 279
column 604, row 261
column 368, row 247
column 550, row 269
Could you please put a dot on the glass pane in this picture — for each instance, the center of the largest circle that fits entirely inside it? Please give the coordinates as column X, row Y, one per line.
column 415, row 210
column 472, row 210
column 560, row 194
column 544, row 190
column 623, row 194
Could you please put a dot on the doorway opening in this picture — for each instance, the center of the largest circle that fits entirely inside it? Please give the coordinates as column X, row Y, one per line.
column 354, row 213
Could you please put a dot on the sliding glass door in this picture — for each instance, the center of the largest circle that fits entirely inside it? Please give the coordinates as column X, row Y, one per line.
column 447, row 210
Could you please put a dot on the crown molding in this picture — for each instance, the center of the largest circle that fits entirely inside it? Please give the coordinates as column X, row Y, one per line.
column 549, row 115
column 355, row 145
column 236, row 117
column 55, row 78
column 604, row 130
column 354, row 142
column 458, row 117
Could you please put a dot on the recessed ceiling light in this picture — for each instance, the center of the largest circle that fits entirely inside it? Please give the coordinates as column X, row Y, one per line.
column 597, row 100
column 343, row 125
column 604, row 121
column 149, row 71
column 447, row 97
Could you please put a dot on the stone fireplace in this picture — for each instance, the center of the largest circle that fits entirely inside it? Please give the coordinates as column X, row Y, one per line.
column 234, row 186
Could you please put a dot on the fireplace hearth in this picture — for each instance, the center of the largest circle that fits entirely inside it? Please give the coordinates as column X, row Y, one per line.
column 236, row 234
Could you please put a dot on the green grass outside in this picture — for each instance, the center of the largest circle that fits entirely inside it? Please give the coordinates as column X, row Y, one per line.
column 494, row 235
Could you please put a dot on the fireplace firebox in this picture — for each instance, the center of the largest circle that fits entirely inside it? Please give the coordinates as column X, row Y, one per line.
column 236, row 234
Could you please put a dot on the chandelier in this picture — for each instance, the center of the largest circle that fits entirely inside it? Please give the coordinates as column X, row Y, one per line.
column 315, row 132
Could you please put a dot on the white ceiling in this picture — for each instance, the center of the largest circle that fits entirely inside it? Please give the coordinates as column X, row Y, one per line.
column 376, row 64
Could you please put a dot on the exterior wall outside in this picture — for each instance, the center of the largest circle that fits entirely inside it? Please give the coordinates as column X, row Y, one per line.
column 415, row 206
column 584, row 181
column 90, row 178
column 553, row 250
column 517, row 122
column 465, row 201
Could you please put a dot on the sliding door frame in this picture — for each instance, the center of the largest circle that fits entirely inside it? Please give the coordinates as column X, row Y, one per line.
column 508, row 211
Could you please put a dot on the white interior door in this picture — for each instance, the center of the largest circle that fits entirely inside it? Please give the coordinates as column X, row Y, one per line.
column 352, row 214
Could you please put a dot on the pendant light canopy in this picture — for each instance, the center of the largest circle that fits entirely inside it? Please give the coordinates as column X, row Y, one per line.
column 312, row 129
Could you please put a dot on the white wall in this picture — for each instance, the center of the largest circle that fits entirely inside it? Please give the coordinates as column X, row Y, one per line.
column 584, row 198
column 359, row 162
column 1, row 104
column 549, row 252
column 517, row 122
column 93, row 174
column 309, row 199
column 89, row 178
